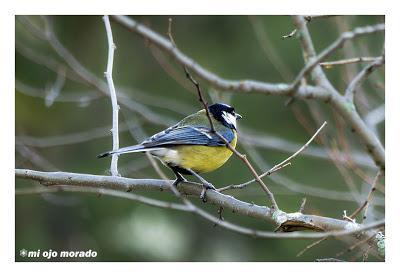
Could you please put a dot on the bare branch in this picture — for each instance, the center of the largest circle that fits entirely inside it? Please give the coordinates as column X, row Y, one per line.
column 352, row 247
column 324, row 260
column 88, row 77
column 314, row 60
column 113, row 94
column 45, row 61
column 304, row 189
column 291, row 34
column 81, row 99
column 269, row 141
column 344, row 107
column 202, row 100
column 362, row 76
column 348, row 61
column 332, row 227
column 35, row 158
column 103, row 191
column 277, row 166
column 301, row 149
column 369, row 197
column 247, row 137
column 375, row 117
column 239, row 155
column 269, row 49
column 308, row 247
column 302, row 205
column 308, row 18
column 220, row 83
column 56, row 88
column 324, row 91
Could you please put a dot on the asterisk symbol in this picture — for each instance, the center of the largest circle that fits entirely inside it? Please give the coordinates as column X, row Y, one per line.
column 23, row 252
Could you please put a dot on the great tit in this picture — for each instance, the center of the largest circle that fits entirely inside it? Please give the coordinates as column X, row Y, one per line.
column 190, row 147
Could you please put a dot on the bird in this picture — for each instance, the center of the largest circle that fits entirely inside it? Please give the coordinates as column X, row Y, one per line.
column 192, row 146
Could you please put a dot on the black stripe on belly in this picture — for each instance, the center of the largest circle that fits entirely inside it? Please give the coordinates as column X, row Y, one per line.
column 179, row 169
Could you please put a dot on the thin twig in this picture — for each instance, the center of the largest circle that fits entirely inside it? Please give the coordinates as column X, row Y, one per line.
column 297, row 187
column 302, row 205
column 138, row 134
column 202, row 100
column 222, row 84
column 314, row 61
column 369, row 197
column 247, row 137
column 308, row 18
column 269, row 49
column 80, row 98
column 361, row 76
column 35, row 158
column 113, row 94
column 345, row 108
column 365, row 254
column 212, row 129
column 308, row 247
column 45, row 60
column 328, row 260
column 330, row 64
column 277, row 166
column 56, row 88
column 301, row 149
column 355, row 245
column 269, row 141
column 291, row 34
column 375, row 116
column 324, row 91
column 88, row 77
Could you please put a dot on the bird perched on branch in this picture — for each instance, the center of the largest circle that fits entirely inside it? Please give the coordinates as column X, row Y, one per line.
column 193, row 145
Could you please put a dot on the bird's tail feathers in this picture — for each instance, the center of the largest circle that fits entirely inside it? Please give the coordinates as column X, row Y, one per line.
column 125, row 150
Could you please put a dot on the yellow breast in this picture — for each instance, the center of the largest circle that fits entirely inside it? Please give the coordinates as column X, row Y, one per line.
column 204, row 158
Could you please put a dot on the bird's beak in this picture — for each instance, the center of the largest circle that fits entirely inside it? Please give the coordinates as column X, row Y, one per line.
column 238, row 116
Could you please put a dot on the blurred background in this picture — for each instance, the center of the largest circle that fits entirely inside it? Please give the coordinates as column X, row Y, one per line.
column 63, row 122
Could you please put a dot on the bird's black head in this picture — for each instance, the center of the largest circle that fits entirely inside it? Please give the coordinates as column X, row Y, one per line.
column 224, row 114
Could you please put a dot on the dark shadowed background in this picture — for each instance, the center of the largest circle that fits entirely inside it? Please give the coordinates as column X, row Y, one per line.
column 62, row 124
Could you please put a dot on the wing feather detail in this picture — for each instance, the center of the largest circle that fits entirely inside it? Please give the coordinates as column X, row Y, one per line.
column 187, row 135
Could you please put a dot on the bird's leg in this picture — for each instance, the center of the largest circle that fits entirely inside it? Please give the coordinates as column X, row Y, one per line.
column 179, row 178
column 206, row 185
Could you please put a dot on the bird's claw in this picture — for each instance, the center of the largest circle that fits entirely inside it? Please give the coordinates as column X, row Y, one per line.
column 206, row 186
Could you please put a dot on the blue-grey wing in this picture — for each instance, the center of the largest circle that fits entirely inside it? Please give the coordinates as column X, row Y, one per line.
column 188, row 135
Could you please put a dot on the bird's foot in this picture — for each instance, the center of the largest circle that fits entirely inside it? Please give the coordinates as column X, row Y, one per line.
column 178, row 180
column 206, row 186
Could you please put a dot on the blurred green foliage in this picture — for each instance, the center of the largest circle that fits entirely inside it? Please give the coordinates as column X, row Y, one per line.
column 122, row 230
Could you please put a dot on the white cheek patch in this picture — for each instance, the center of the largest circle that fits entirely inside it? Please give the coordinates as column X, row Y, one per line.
column 229, row 118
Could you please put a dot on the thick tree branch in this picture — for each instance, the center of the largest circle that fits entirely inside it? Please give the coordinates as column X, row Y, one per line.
column 314, row 60
column 324, row 91
column 218, row 82
column 341, row 104
column 286, row 221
